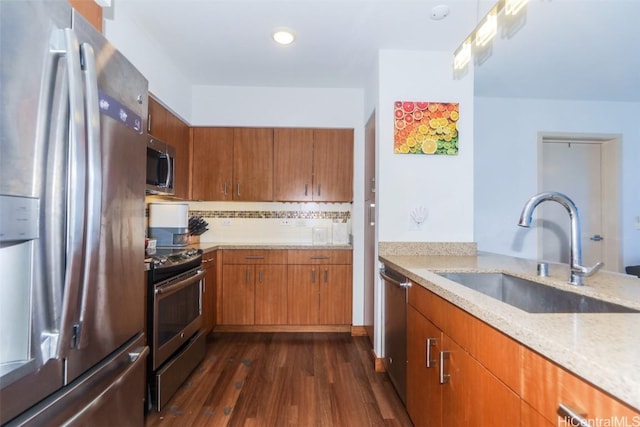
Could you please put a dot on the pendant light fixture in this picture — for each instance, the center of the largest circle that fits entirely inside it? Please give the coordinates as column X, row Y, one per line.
column 484, row 32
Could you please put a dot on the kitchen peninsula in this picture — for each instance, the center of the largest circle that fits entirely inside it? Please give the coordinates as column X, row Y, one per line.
column 555, row 356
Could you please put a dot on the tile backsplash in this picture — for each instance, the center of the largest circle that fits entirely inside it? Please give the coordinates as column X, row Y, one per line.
column 270, row 222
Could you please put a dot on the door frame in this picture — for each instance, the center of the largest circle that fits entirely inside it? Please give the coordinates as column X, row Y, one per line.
column 610, row 195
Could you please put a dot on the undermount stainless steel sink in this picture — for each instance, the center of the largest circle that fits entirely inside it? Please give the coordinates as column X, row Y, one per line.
column 533, row 297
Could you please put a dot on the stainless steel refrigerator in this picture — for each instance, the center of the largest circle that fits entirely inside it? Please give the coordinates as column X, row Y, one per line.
column 72, row 182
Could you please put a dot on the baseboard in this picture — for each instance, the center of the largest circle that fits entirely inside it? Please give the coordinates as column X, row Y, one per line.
column 282, row 328
column 378, row 362
column 358, row 331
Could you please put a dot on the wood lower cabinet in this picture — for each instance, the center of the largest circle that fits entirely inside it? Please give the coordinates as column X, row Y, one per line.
column 424, row 392
column 254, row 287
column 545, row 386
column 209, row 291
column 490, row 379
column 320, row 287
column 455, row 389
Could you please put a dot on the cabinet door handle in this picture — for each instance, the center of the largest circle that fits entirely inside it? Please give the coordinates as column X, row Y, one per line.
column 444, row 378
column 429, row 362
column 306, row 189
column 247, row 276
column 319, row 189
column 204, row 285
column 224, row 188
column 260, row 276
column 238, row 189
column 572, row 416
column 149, row 123
column 313, row 276
column 326, row 276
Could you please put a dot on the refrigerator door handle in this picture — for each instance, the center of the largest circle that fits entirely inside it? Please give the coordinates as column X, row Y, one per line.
column 75, row 196
column 94, row 192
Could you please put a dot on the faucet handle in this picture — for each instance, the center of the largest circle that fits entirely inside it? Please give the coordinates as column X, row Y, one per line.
column 586, row 271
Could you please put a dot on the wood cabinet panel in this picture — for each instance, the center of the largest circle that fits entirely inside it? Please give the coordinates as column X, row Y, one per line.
column 545, row 385
column 209, row 291
column 253, row 164
column 335, row 295
column 270, row 294
column 319, row 256
column 238, row 295
column 303, row 295
column 254, row 256
column 292, row 164
column 333, row 164
column 424, row 393
column 212, row 166
column 529, row 417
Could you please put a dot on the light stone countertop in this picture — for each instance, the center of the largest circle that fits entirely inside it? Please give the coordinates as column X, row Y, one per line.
column 602, row 348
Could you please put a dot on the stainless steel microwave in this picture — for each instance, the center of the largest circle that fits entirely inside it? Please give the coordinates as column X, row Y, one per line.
column 160, row 167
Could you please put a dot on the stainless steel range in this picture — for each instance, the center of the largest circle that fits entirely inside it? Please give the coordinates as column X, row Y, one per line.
column 174, row 321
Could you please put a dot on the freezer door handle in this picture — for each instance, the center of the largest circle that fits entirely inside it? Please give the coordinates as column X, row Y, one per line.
column 76, row 194
column 94, row 192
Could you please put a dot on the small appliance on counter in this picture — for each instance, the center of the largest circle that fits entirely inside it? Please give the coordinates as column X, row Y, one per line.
column 169, row 223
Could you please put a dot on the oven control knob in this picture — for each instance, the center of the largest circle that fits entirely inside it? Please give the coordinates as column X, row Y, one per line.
column 182, row 335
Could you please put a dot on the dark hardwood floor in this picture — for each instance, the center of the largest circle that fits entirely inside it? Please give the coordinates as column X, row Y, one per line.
column 285, row 379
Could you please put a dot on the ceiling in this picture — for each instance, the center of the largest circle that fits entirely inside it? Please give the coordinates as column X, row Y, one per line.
column 228, row 42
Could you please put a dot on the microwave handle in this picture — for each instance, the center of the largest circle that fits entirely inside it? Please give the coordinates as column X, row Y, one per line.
column 169, row 171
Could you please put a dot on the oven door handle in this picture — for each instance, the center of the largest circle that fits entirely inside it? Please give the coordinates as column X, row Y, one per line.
column 167, row 290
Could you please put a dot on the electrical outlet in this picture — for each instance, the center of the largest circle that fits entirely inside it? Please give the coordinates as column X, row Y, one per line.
column 301, row 223
column 286, row 222
column 226, row 222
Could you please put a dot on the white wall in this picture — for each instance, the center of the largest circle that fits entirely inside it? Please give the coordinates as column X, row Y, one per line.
column 443, row 185
column 506, row 165
column 295, row 107
column 166, row 80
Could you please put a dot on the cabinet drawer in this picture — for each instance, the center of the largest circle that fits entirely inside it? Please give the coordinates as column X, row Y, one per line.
column 254, row 256
column 545, row 385
column 319, row 256
column 209, row 259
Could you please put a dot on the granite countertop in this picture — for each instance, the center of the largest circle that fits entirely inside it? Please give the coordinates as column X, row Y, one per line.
column 602, row 348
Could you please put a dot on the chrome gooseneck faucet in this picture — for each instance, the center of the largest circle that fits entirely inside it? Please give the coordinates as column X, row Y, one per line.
column 578, row 271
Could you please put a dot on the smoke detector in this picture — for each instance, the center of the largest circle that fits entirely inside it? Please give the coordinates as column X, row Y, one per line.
column 440, row 12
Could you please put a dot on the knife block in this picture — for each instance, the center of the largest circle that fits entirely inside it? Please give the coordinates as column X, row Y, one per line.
column 194, row 240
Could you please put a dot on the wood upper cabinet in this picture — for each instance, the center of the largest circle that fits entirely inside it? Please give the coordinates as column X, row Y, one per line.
column 212, row 166
column 320, row 287
column 209, row 291
column 168, row 127
column 313, row 165
column 333, row 165
column 253, row 164
column 293, row 164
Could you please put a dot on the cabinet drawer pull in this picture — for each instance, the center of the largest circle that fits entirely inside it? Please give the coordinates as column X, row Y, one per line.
column 430, row 363
column 319, row 257
column 254, row 257
column 444, row 378
column 572, row 416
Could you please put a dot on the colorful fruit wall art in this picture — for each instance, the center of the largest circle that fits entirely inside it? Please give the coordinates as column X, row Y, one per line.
column 425, row 128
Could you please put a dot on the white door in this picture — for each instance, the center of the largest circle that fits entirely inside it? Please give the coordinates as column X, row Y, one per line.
column 574, row 169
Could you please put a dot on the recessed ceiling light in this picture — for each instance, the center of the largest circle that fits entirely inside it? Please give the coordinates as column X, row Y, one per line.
column 283, row 36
